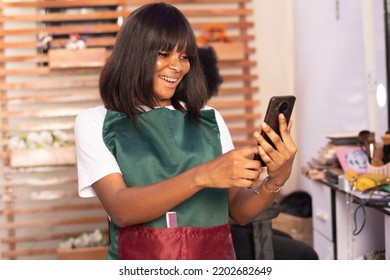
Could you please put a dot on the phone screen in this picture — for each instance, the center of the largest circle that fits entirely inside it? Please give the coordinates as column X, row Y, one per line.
column 277, row 104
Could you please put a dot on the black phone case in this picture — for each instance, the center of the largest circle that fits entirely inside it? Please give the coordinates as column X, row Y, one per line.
column 277, row 104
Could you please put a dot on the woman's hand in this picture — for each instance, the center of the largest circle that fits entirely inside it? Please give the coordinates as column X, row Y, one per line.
column 279, row 162
column 235, row 168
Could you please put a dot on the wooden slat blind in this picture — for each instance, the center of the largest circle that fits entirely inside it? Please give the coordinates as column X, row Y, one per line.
column 39, row 205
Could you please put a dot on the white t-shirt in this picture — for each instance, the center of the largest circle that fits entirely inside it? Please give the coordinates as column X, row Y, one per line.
column 94, row 159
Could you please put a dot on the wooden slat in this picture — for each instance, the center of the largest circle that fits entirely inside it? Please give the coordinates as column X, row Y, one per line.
column 242, row 143
column 234, row 104
column 63, row 17
column 80, row 29
column 69, row 96
column 89, row 3
column 49, row 84
column 25, row 71
column 40, row 70
column 248, row 130
column 25, row 58
column 50, row 209
column 25, row 127
column 233, row 91
column 37, row 170
column 103, row 41
column 38, row 196
column 23, row 44
column 45, row 237
column 236, row 63
column 32, row 183
column 53, row 222
column 243, row 77
column 241, row 117
column 43, row 113
column 28, row 252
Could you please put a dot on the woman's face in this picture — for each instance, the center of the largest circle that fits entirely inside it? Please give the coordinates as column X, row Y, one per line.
column 171, row 67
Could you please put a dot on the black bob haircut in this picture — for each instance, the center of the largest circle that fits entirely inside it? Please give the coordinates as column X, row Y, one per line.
column 126, row 81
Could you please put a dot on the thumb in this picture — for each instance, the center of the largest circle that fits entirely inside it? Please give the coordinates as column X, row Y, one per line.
column 249, row 151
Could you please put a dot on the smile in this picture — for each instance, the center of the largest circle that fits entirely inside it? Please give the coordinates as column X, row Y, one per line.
column 168, row 79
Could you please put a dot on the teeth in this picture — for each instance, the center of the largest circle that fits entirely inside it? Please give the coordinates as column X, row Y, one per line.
column 168, row 79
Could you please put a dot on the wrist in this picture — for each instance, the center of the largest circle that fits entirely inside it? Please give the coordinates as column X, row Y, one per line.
column 268, row 186
column 199, row 180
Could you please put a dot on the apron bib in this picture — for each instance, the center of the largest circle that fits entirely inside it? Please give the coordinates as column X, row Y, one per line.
column 161, row 144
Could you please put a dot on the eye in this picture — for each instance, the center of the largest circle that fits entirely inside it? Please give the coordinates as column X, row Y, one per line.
column 163, row 54
column 185, row 57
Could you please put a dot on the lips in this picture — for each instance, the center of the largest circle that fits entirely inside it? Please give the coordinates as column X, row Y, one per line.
column 169, row 79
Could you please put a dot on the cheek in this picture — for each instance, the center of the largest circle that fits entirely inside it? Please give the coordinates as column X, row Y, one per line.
column 186, row 67
column 158, row 66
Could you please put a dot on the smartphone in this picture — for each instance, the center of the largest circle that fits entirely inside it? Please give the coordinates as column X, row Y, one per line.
column 277, row 104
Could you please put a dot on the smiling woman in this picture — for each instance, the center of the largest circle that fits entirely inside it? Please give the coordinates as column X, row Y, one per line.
column 38, row 96
column 155, row 148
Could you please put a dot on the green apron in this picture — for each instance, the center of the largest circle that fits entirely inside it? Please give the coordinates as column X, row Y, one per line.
column 162, row 144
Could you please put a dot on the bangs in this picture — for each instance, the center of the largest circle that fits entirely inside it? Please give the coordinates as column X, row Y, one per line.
column 172, row 30
column 173, row 36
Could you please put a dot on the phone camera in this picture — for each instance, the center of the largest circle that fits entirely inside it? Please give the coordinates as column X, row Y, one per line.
column 283, row 107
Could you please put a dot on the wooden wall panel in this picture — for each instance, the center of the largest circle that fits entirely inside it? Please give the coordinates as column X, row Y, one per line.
column 39, row 204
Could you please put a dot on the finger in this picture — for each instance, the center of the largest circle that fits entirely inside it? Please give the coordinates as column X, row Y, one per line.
column 250, row 174
column 244, row 183
column 265, row 155
column 272, row 135
column 283, row 128
column 263, row 143
column 289, row 126
column 248, row 151
column 286, row 135
column 265, row 128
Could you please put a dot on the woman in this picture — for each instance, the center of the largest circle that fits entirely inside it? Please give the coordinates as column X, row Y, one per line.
column 154, row 147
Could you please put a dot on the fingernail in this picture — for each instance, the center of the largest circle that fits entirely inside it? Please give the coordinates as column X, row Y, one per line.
column 263, row 125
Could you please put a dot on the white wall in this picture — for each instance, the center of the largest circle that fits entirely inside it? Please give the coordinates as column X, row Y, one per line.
column 274, row 31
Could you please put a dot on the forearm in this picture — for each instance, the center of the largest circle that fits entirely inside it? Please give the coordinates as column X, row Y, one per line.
column 136, row 205
column 246, row 204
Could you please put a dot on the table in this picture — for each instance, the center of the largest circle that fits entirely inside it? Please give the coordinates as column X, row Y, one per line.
column 336, row 217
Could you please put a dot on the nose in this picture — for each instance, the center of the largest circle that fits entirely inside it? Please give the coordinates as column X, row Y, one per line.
column 175, row 63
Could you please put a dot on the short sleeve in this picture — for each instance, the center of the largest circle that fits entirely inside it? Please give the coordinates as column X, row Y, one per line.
column 226, row 139
column 94, row 160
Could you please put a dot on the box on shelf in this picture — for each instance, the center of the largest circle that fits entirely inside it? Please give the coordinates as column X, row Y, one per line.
column 80, row 58
column 87, row 253
column 43, row 157
column 228, row 51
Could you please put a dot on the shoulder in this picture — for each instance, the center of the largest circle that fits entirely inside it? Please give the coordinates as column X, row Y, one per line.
column 91, row 115
column 226, row 139
column 98, row 111
column 218, row 116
